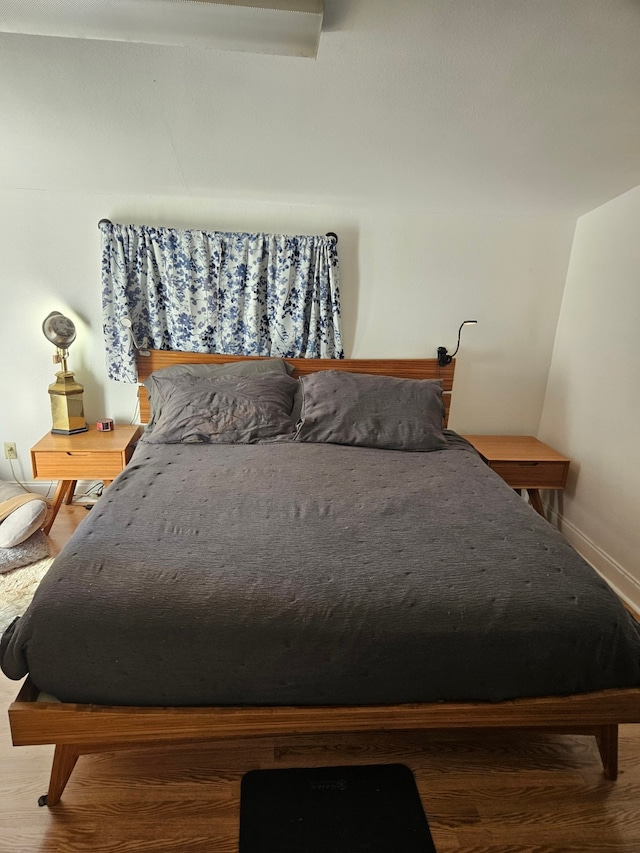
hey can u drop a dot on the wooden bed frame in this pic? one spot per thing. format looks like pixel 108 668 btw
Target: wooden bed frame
pixel 84 729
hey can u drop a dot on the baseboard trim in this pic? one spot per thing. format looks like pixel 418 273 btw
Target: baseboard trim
pixel 47 488
pixel 40 487
pixel 623 583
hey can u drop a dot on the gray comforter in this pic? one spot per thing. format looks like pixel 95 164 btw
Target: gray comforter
pixel 317 574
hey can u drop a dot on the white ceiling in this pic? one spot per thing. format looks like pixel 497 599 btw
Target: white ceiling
pixel 495 106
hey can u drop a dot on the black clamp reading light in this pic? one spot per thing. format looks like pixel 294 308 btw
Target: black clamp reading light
pixel 443 356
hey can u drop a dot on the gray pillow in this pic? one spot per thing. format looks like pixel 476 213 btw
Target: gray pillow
pixel 256 367
pixel 372 411
pixel 224 409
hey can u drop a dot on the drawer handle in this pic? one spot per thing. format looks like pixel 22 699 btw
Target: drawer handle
pixel 527 464
pixel 75 453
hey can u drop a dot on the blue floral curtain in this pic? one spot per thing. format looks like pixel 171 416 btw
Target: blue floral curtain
pixel 210 291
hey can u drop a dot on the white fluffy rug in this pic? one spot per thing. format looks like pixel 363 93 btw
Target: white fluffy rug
pixel 17 588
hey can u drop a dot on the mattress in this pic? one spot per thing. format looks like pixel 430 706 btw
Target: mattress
pixel 301 573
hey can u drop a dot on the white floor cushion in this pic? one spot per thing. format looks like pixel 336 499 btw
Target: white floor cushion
pixel 24 520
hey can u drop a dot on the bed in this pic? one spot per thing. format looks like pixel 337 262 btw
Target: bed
pixel 334 572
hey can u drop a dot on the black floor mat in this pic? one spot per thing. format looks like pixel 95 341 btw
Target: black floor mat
pixel 363 809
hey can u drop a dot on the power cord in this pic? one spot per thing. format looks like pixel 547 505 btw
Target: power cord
pixel 13 474
pixel 136 414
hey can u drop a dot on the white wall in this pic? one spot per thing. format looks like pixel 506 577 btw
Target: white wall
pixel 408 279
pixel 592 405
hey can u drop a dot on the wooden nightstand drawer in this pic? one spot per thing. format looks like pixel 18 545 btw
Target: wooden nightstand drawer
pixel 78 465
pixel 532 475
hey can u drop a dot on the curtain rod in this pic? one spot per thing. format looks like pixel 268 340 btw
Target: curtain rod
pixel 328 234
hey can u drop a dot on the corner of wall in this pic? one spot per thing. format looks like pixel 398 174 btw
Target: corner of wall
pixel 622 582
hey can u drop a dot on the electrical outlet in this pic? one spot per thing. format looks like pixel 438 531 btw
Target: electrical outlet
pixel 10 451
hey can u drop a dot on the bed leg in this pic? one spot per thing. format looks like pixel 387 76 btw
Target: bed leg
pixel 64 760
pixel 607 738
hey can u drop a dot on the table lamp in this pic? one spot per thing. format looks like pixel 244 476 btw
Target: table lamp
pixel 67 408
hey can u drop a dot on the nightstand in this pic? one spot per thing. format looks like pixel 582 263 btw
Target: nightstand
pixel 88 455
pixel 523 462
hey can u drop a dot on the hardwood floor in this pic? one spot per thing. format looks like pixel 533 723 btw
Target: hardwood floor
pixel 484 793
pixel 69 517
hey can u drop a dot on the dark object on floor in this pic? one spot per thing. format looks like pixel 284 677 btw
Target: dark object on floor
pixel 362 809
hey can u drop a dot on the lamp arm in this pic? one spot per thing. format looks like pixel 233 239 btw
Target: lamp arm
pixel 126 323
pixel 60 358
pixel 445 358
pixel 458 344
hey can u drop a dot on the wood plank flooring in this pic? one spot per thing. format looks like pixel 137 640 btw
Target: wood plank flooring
pixel 482 793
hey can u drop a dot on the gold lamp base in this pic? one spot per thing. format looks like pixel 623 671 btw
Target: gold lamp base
pixel 67 408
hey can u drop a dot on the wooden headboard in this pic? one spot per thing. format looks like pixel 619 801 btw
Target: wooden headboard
pixel 402 368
